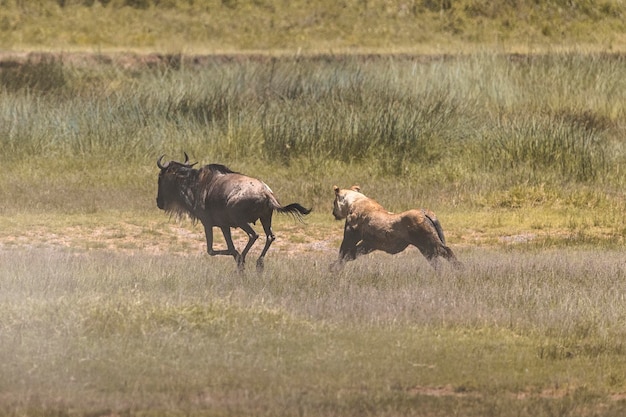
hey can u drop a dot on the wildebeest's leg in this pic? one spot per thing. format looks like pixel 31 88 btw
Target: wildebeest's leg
pixel 348 249
pixel 252 237
pixel 270 237
pixel 239 258
pixel 229 243
pixel 208 231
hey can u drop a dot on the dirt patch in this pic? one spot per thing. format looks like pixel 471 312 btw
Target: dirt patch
pixel 546 393
pixel 441 391
pixel 138 61
pixel 159 238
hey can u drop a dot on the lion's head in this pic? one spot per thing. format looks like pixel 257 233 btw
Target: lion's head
pixel 343 200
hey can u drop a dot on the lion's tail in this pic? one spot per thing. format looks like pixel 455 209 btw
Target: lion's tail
pixel 448 253
pixel 433 220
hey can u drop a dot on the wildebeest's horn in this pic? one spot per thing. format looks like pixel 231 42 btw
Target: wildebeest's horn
pixel 160 165
pixel 186 158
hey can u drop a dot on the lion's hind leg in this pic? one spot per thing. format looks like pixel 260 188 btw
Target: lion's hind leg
pixel 431 255
pixel 439 242
pixel 449 255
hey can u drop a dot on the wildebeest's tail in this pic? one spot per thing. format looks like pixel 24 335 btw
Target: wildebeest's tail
pixel 433 220
pixel 295 209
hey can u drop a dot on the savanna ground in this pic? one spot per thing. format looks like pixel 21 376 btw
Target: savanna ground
pixel 507 119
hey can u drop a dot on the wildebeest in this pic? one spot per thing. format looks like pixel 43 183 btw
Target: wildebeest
pixel 370 227
pixel 220 197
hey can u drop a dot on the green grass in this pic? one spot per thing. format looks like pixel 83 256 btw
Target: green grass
pixel 529 333
pixel 468 132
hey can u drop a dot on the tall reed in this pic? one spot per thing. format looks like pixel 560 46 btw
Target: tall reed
pixel 484 120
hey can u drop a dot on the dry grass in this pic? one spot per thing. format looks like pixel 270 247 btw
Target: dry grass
pixel 113 333
pixel 272 26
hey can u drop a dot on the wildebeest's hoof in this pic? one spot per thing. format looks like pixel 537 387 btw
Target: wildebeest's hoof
pixel 336 266
pixel 241 265
pixel 260 264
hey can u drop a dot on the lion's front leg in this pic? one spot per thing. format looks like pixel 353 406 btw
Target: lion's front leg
pixel 363 248
pixel 348 249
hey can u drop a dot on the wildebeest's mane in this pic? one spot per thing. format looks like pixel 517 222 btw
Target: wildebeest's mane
pixel 222 169
pixel 186 200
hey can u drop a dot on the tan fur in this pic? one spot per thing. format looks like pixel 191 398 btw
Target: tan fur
pixel 369 227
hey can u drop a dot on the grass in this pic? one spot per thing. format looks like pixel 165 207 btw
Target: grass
pixel 531 333
pixel 108 307
pixel 463 130
pixel 422 26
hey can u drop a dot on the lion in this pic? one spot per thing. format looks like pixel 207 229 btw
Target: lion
pixel 370 227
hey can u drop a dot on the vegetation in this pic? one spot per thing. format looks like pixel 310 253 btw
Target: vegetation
pixel 109 307
pixel 521 153
pixel 532 334
pixel 483 132
pixel 425 26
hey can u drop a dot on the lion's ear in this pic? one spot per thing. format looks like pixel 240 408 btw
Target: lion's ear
pixel 356 188
pixel 336 189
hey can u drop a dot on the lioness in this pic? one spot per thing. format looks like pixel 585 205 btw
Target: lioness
pixel 370 227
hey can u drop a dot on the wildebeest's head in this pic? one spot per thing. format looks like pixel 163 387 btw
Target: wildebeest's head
pixel 174 192
pixel 341 205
